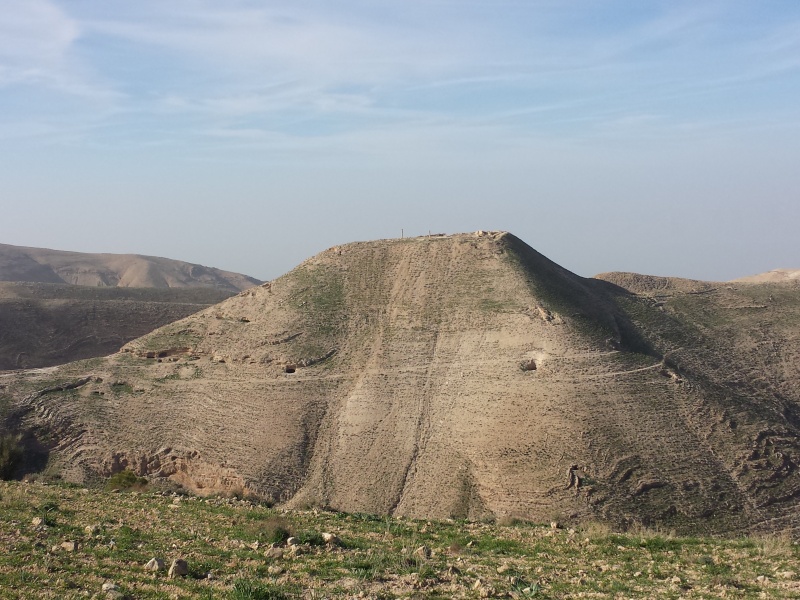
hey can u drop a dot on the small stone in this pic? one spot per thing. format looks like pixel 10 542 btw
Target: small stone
pixel 423 552
pixel 109 586
pixel 92 529
pixel 36 521
pixel 787 574
pixel 154 564
pixel 209 575
pixel 331 539
pixel 761 579
pixel 274 570
pixel 69 546
pixel 478 583
pixel 502 569
pixel 254 546
pixel 292 541
pixel 179 568
pixel 554 525
pixel 676 580
pixel 274 552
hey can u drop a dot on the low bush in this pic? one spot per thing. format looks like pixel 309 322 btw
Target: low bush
pixel 125 480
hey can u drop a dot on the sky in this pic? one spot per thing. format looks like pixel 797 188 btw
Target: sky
pixel 660 137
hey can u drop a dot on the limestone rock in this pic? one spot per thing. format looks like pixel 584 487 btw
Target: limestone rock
pixel 154 564
pixel 109 586
pixel 292 541
pixel 179 568
pixel 37 521
pixel 69 546
pixel 331 539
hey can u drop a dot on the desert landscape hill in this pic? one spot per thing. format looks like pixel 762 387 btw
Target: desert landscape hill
pixel 57 306
pixel 774 276
pixel 46 324
pixel 41 265
pixel 451 376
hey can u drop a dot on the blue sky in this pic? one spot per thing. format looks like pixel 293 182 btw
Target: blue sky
pixel 658 137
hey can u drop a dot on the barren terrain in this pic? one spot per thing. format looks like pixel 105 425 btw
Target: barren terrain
pixel 459 376
pixel 46 324
pixel 41 265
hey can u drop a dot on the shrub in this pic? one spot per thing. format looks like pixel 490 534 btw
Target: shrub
pixel 125 480
pixel 10 455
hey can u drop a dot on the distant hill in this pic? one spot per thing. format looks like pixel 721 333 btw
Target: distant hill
pixel 45 324
pixel 452 376
pixel 40 265
pixel 774 276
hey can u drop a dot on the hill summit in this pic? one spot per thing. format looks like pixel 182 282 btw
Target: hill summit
pixel 40 265
pixel 451 376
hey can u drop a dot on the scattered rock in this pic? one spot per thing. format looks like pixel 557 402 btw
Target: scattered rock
pixel 69 546
pixel 109 586
pixel 179 568
pixel 676 580
pixel 554 525
pixel 274 552
pixel 154 564
pixel 331 539
pixel 478 583
pixel 274 570
pixel 37 521
pixel 502 569
pixel 92 529
pixel 292 541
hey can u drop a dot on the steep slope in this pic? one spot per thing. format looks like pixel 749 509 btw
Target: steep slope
pixel 457 376
pixel 45 324
pixel 40 265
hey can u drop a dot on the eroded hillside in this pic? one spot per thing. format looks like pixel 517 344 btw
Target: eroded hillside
pixel 46 324
pixel 42 265
pixel 451 376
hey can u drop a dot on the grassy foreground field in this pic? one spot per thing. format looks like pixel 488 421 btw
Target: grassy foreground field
pixel 237 550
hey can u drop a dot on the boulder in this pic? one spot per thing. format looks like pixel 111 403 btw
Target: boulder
pixel 154 564
pixel 179 568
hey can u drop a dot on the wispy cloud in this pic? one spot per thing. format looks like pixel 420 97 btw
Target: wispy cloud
pixel 516 67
